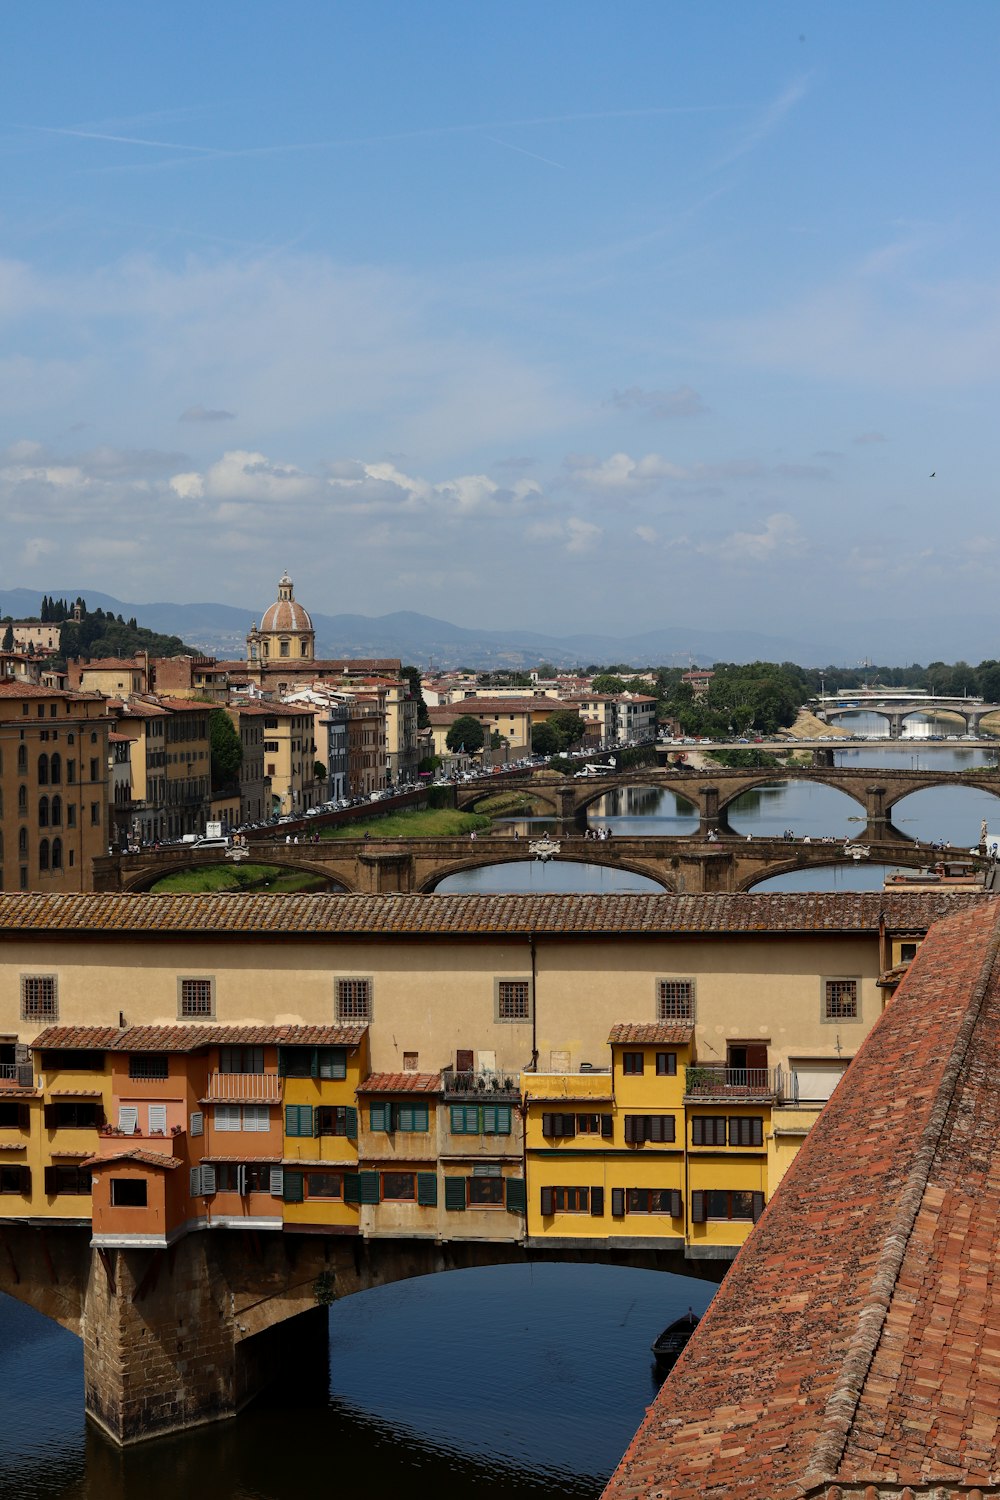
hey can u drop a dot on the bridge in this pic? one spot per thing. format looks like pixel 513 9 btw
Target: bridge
pixel 897 708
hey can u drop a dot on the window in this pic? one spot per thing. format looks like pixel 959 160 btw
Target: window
pixel 14 1117
pixel 95 814
pixel 675 1000
pixel 334 1119
pixel 67 1180
pixel 128 1192
pixel 558 1126
pixel 840 999
pixel 128 1119
pixel 465 1119
pixel 241 1059
pixel 565 1200
pixel 666 1065
pixel 39 997
pixel 708 1130
pixel 15 1179
pixel 298 1119
pixel 55 767
pixel 512 1000
pixel 400 1187
pixel 746 1132
pixel 380 1116
pixel 56 811
pixel 43 812
pixel 729 1205
pixel 654 1201
pixel 325 1185
pixel 414 1117
pixel 227 1117
pixel 243 1177
pixel 196 998
pixel 589 1124
pixel 632 1063
pixel 640 1128
pixel 256 1117
pixel 354 999
pixel 43 854
pixel 486 1192
pixel 908 952
pixel 148 1065
pixel 57 852
pixel 496 1119
pixel 43 770
pixel 73 1114
pixel 411 1062
pixel 197 1122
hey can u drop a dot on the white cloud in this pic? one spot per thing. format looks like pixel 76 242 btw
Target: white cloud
pixel 647 534
pixel 575 535
pixel 623 473
pixel 780 537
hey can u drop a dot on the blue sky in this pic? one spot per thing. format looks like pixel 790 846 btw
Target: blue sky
pixel 562 315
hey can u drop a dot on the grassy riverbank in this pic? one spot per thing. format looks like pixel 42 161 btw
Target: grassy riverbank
pixel 238 878
pixel 415 823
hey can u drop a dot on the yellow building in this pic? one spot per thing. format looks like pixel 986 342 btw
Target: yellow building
pixel 320 1145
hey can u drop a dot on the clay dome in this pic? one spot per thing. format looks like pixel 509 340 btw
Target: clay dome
pixel 286 614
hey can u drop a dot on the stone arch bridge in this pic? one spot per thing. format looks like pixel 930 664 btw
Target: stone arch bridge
pixel 178 1337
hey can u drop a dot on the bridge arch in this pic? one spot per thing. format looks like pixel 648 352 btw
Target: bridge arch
pixel 601 788
pixel 502 858
pixel 778 774
pixel 144 874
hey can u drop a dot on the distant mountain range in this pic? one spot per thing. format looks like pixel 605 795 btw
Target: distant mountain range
pixel 220 630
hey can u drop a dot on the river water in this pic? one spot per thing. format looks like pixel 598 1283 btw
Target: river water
pixel 509 1382
pixel 946 814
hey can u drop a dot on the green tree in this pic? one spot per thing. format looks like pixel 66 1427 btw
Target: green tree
pixel 607 682
pixel 569 727
pixel 227 752
pixel 319 770
pixel 545 740
pixel 8 639
pixel 412 675
pixel 466 733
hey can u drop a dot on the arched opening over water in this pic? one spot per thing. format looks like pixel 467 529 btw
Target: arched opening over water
pixel 949 814
pixel 227 875
pixel 804 808
pixel 540 877
pixel 503 1383
pixel 847 875
pixel 641 811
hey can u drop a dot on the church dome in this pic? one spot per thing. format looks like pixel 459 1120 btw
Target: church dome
pixel 286 614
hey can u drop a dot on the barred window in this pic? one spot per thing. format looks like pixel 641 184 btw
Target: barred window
pixel 675 999
pixel 148 1065
pixel 39 997
pixel 197 999
pixel 840 1000
pixel 513 1000
pixel 354 999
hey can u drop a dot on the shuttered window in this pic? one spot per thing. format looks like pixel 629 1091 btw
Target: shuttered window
pixel 597 1202
pixel 639 1128
pixel 227 1117
pixel 256 1117
pixel 427 1189
pixel 368 1186
pixel 413 1117
pixel 618 1203
pixel 746 1131
pixel 197 1122
pixel 66 1180
pixel 465 1119
pixel 157 1119
pixel 277 1182
pixel 723 1204
pixel 334 1119
pixel 298 1119
pixel 558 1126
pixel 128 1119
pixel 517 1202
pixel 496 1119
pixel 708 1130
pixel 294 1186
pixel 454 1193
pixel 380 1116
pixel 655 1201
pixel 699 1208
pixel 312 1062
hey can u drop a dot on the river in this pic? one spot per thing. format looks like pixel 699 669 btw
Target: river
pixel 509 1382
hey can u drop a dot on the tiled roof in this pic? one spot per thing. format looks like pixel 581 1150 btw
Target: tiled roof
pixel 182 1038
pixel 401 1083
pixel 31 690
pixel 260 915
pixel 76 1093
pixel 856 1340
pixel 257 1161
pixel 144 1158
pixel 655 1031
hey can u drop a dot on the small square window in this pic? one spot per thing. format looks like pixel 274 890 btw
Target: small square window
pixel 840 1000
pixel 513 1000
pixel 411 1062
pixel 632 1063
pixel 354 999
pixel 675 1000
pixel 39 997
pixel 195 999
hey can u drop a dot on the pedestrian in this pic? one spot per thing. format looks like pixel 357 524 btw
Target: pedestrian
pixel 288 838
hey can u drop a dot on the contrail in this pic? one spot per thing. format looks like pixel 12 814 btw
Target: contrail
pixel 533 154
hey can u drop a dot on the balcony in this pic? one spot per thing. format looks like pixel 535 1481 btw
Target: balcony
pixel 244 1088
pixel 19 1074
pixel 488 1086
pixel 705 1081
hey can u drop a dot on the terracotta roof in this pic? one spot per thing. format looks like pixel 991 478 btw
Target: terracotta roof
pixel 76 1093
pixel 144 1158
pixel 31 690
pixel 654 1031
pixel 181 1038
pixel 11 1090
pixel 286 614
pixel 260 915
pixel 853 1348
pixel 401 1083
pixel 240 1161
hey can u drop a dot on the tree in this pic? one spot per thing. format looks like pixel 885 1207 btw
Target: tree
pixel 319 770
pixel 545 740
pixel 606 682
pixel 569 727
pixel 412 675
pixel 8 639
pixel 466 733
pixel 227 752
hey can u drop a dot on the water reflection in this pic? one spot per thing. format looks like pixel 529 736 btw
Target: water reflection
pixel 643 810
pixel 510 1382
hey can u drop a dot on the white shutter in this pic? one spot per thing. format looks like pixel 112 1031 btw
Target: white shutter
pixel 194 1187
pixel 197 1122
pixel 227 1117
pixel 128 1119
pixel 157 1119
pixel 241 1180
pixel 277 1182
pixel 207 1180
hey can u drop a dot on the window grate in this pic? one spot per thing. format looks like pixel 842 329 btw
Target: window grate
pixel 196 997
pixel 840 1000
pixel 513 1000
pixel 354 999
pixel 675 1000
pixel 39 997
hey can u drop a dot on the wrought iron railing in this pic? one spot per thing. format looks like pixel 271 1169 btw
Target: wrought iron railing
pixel 717 1080
pixel 488 1083
pixel 19 1073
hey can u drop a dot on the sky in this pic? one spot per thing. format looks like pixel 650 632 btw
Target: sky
pixel 564 316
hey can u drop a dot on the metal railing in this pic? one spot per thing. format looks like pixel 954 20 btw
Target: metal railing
pixel 717 1080
pixel 19 1073
pixel 245 1088
pixel 488 1084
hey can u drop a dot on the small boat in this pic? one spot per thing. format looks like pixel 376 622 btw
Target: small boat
pixel 671 1342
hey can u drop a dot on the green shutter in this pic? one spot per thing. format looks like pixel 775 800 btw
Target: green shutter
pixel 294 1192
pixel 517 1201
pixel 380 1116
pixel 465 1119
pixel 427 1189
pixel 454 1192
pixel 351 1125
pixel 352 1187
pixel 421 1117
pixel 298 1119
pixel 332 1062
pixel 368 1187
pixel 496 1119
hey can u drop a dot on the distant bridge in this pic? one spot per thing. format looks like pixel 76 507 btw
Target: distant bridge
pixel 896 710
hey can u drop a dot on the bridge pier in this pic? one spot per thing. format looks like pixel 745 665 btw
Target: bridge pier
pixel 385 874
pixel 878 822
pixel 710 820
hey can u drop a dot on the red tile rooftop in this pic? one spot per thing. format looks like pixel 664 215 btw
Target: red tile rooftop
pixel 654 1031
pixel 264 915
pixel 144 1159
pixel 401 1083
pixel 187 1038
pixel 852 1348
